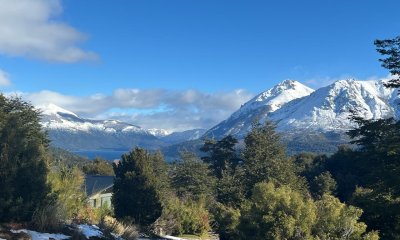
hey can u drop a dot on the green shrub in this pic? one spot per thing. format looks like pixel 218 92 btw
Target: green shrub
pixel 227 220
pixel 185 217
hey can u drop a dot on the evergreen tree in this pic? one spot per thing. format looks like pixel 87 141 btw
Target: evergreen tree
pixel 264 158
pixel 23 160
pixel 323 184
pixel 391 49
pixel 230 188
pixel 135 188
pixel 191 176
pixel 377 167
pixel 222 154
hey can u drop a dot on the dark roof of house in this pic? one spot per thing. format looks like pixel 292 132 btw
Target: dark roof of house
pixel 96 183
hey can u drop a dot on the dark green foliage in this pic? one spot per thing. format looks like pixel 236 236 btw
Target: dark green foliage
pixel 309 165
pixel 191 177
pixel 381 211
pixel 23 160
pixel 391 49
pixel 323 184
pixel 98 167
pixel 230 188
pixel 264 158
pixel 136 187
pixel 343 165
pixel 162 181
pixel 222 154
pixel 22 151
pixel 368 176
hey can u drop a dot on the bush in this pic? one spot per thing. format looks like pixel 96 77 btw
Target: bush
pixel 226 220
pixel 67 185
pixel 48 218
pixel 277 213
pixel 184 217
pixel 124 230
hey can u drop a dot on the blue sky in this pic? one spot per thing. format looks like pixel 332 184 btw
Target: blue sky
pixel 70 51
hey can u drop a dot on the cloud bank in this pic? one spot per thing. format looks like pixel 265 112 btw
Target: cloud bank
pixel 159 108
pixel 29 28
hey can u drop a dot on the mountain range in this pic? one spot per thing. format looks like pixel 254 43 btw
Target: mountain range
pixel 69 131
pixel 309 120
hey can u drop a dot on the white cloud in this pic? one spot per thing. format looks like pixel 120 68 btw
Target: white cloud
pixel 160 108
pixel 4 79
pixel 29 28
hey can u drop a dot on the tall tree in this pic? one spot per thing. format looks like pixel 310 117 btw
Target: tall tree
pixel 264 158
pixel 191 176
pixel 23 160
pixel 391 49
pixel 222 154
pixel 135 188
pixel 376 163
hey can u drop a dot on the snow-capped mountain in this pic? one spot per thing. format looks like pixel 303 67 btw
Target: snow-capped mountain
pixel 72 132
pixel 159 132
pixel 189 135
pixel 329 108
pixel 262 105
pixel 57 118
pixel 297 109
pixel 69 131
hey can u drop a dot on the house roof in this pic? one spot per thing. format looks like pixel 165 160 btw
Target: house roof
pixel 96 183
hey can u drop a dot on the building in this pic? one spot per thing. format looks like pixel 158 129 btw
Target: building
pixel 99 190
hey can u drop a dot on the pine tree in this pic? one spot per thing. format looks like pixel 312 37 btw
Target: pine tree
pixel 222 155
pixel 264 158
pixel 135 188
pixel 191 176
pixel 23 160
pixel 376 164
pixel 391 49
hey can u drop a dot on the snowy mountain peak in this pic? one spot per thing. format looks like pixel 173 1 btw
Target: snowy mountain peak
pixel 277 96
pixel 260 106
pixel 159 132
pixel 52 109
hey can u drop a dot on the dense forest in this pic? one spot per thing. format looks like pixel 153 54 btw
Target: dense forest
pixel 259 192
